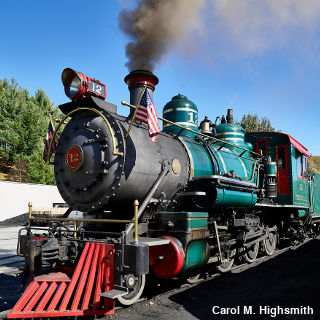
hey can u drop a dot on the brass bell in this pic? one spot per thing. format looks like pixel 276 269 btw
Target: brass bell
pixel 205 126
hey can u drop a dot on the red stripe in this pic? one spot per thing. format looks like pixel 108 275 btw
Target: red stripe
pixel 148 115
pixel 143 108
pixel 154 116
pixel 154 138
pixel 152 122
pixel 142 120
pixel 153 130
pixel 142 114
pixel 154 126
pixel 152 119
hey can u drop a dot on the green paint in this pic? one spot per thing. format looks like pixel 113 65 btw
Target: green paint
pixel 195 255
pixel 235 198
pixel 301 213
pixel 233 133
pixel 271 169
pixel 202 165
pixel 299 188
pixel 183 112
pixel 314 192
pixel 186 220
pixel 225 159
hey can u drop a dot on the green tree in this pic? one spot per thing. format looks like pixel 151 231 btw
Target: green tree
pixel 252 122
pixel 313 164
pixel 38 170
pixel 23 125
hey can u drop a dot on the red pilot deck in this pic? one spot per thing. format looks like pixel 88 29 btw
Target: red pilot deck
pixel 56 295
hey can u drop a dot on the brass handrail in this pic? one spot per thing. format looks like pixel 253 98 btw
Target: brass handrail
pixel 114 152
pixel 30 213
pixel 136 217
pixel 75 220
pixel 82 220
pixel 198 133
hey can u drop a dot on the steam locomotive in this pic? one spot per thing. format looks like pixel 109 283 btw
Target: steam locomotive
pixel 201 195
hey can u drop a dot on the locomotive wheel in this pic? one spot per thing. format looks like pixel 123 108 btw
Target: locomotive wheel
pixel 251 253
pixel 226 265
pixel 135 285
pixel 269 244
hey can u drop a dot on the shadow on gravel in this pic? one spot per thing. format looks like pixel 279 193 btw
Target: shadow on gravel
pixel 9 290
pixel 291 279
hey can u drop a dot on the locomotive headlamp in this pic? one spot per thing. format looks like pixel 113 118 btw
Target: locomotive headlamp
pixel 77 85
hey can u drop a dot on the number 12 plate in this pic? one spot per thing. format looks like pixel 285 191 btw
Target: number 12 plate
pixel 97 88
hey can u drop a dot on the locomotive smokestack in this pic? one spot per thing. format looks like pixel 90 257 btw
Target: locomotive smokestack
pixel 136 80
pixel 230 116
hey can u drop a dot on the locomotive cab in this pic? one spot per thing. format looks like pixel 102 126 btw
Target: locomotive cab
pixel 291 159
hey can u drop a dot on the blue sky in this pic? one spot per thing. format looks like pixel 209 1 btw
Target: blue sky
pixel 270 71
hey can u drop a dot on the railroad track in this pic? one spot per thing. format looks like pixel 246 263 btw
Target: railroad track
pixel 245 266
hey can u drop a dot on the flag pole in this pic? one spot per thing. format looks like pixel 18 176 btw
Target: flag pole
pixel 51 121
pixel 136 109
pixel 51 140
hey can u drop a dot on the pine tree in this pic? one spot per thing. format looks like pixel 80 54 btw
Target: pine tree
pixel 252 122
pixel 314 164
pixel 23 125
pixel 38 170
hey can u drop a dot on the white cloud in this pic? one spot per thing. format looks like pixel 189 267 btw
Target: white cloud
pixel 259 25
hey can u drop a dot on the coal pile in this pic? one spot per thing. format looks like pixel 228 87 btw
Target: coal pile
pixel 17 221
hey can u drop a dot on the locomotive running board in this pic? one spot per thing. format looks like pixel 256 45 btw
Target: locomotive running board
pixel 275 205
pixel 56 295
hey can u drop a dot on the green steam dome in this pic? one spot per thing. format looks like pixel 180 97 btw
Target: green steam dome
pixel 234 134
pixel 183 112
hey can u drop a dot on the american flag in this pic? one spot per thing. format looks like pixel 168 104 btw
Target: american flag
pixel 47 142
pixel 147 113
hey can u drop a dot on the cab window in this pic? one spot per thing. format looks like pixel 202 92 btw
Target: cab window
pixel 281 158
pixel 262 144
pixel 301 165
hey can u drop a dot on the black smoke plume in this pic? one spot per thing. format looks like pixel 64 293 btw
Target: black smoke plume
pixel 157 26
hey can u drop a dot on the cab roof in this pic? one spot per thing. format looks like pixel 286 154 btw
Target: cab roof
pixel 297 145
